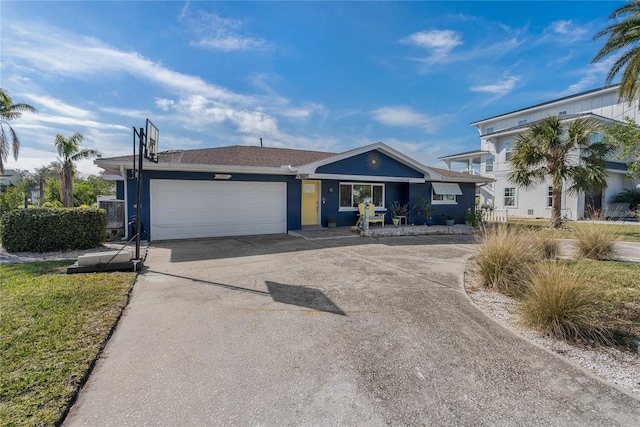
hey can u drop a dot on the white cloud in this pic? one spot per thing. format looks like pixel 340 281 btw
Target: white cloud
pixel 501 87
pixel 438 42
pixel 47 103
pixel 591 75
pixel 404 116
pixel 217 33
pixel 567 28
pixel 229 43
pixel 84 57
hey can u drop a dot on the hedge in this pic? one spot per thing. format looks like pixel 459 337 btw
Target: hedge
pixel 46 229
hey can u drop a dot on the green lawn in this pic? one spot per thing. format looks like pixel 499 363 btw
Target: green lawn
pixel 52 328
pixel 618 285
pixel 623 232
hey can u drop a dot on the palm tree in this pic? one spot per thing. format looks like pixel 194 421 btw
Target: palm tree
pixel 9 111
pixel 547 149
pixel 623 34
pixel 70 151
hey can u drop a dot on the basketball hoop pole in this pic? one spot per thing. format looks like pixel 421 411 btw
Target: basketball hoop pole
pixel 139 198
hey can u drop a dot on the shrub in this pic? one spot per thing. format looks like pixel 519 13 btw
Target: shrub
pixel 594 243
pixel 43 229
pixel 549 247
pixel 53 204
pixel 558 302
pixel 504 254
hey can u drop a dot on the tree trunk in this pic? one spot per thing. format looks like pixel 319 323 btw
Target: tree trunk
pixel 41 193
pixel 66 187
pixel 556 207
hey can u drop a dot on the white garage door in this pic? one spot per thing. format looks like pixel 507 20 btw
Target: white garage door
pixel 189 209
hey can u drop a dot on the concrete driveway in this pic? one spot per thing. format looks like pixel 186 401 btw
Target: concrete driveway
pixel 278 330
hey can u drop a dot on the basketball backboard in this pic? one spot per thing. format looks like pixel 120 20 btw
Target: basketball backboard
pixel 151 142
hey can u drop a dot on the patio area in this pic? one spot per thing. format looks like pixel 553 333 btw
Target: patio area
pixel 321 233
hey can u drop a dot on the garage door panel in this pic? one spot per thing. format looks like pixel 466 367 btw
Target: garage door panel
pixel 189 209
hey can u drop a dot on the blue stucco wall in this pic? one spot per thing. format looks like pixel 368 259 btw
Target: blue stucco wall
pixel 357 165
pixel 294 193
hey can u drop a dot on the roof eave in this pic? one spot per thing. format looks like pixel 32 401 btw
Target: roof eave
pixel 188 167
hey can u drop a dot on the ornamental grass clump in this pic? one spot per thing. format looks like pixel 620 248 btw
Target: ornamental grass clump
pixel 559 302
pixel 505 253
pixel 594 243
pixel 549 247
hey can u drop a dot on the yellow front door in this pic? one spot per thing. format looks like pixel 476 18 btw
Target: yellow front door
pixel 310 190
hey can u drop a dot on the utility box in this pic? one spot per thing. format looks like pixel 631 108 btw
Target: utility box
pixel 115 216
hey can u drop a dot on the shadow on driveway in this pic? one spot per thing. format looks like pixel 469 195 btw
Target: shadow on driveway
pixel 298 295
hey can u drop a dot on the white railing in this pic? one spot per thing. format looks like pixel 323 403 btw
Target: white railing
pixel 496 215
pixel 470 171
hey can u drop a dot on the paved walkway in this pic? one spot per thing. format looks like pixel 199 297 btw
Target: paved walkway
pixel 277 330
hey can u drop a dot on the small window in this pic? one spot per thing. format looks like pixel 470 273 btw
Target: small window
pixel 596 137
pixel 562 113
pixel 522 122
pixel 510 196
pixel 549 196
pixel 490 130
pixel 351 194
pixel 488 166
pixel 445 193
pixel 508 150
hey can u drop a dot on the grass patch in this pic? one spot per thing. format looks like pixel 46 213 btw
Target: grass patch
pixel 504 254
pixel 594 243
pixel 617 286
pixel 52 327
pixel 621 232
pixel 559 302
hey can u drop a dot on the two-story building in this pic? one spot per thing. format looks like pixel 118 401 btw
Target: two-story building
pixel 497 137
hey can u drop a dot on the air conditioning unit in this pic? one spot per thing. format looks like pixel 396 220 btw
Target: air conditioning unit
pixel 115 215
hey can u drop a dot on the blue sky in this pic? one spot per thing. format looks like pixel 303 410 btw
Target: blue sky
pixel 327 76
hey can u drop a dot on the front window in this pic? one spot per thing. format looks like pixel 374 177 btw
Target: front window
pixel 549 197
pixel 510 196
pixel 443 198
pixel 488 166
pixel 445 193
pixel 351 194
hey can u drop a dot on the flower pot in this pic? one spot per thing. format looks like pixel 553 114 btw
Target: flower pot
pixel 449 222
pixel 331 224
pixel 396 221
pixel 428 222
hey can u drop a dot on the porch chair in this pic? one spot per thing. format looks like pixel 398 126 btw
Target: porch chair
pixel 373 218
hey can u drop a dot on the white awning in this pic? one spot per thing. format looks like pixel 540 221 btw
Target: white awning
pixel 446 188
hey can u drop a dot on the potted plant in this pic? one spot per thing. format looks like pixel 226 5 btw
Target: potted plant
pixel 449 220
pixel 397 210
pixel 422 206
pixel 331 223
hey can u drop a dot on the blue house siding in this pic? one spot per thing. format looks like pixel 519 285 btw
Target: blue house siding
pixel 358 165
pixel 294 193
pixel 120 190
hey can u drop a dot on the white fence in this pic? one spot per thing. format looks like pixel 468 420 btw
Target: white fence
pixel 496 215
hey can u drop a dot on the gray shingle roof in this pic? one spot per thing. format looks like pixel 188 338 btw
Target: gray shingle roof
pixel 237 155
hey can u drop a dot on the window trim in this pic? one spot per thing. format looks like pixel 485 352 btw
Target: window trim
pixel 355 208
pixel 549 196
pixel 447 198
pixel 515 197
pixel 487 162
